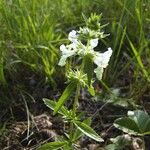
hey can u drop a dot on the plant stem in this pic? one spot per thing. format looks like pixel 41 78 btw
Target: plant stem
pixel 75 104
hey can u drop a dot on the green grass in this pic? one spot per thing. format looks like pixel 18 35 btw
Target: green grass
pixel 2 76
pixel 32 31
pixel 29 31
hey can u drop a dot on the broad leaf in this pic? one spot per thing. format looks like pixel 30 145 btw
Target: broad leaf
pixel 89 67
pixel 53 145
pixel 137 123
pixel 52 104
pixel 142 119
pixel 127 125
pixel 66 94
pixel 87 130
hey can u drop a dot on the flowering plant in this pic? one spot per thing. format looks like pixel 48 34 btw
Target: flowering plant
pixel 77 48
pixel 81 47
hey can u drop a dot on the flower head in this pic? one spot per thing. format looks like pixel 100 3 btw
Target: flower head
pixel 83 43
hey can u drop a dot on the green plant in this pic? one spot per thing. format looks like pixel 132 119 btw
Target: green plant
pixel 137 123
pixel 119 142
pixel 80 75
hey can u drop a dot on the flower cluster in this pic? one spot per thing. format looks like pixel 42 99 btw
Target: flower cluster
pixel 78 76
pixel 77 48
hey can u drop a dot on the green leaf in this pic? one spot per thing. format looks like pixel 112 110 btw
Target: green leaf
pixel 89 67
pixel 78 133
pixel 87 130
pixel 66 94
pixel 119 143
pixel 68 147
pixel 91 90
pixel 142 119
pixel 127 125
pixel 111 147
pixel 53 145
pixel 137 123
pixel 52 104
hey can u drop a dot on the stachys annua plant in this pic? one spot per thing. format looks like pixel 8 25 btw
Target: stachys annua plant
pixel 82 59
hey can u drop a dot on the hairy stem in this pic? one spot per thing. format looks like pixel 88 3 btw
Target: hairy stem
pixel 75 104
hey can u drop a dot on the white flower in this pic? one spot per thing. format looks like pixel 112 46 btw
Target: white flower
pixel 93 43
pixel 84 50
pixel 99 72
pixel 73 36
pixel 101 60
pixel 67 51
pixel 77 48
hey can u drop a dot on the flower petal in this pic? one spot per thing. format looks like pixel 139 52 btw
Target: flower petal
pixel 63 48
pixel 67 51
pixel 93 43
pixel 99 72
pixel 73 36
pixel 62 61
pixel 102 59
